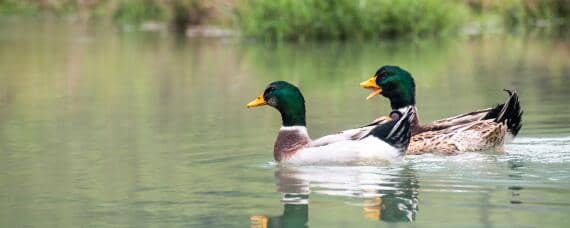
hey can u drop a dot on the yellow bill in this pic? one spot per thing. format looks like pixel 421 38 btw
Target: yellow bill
pixel 259 221
pixel 374 209
pixel 371 84
pixel 259 101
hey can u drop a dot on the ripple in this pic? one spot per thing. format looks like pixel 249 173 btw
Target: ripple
pixel 539 150
pixel 528 164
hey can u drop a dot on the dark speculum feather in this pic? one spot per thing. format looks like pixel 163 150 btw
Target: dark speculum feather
pixel 493 113
pixel 397 132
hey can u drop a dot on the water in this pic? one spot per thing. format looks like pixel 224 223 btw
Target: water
pixel 100 128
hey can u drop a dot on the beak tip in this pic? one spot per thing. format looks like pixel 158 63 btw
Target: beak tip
pixel 259 101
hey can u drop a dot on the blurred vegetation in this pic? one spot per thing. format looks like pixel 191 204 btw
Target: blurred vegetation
pixel 524 12
pixel 179 13
pixel 138 12
pixel 343 19
pixel 311 19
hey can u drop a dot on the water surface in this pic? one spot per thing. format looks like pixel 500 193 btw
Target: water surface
pixel 102 128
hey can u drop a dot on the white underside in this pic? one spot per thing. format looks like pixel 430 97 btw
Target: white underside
pixel 367 150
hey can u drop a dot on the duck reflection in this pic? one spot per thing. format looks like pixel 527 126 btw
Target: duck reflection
pixel 516 175
pixel 390 193
pixel 294 215
pixel 398 201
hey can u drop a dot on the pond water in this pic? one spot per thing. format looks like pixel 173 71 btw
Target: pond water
pixel 103 128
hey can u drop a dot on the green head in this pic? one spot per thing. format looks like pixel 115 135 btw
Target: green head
pixel 287 99
pixel 394 83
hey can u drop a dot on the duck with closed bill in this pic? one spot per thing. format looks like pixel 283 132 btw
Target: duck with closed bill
pixel 384 142
pixel 474 131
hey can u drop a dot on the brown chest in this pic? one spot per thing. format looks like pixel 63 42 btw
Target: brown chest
pixel 288 143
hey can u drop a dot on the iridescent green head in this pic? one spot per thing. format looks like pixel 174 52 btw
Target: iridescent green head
pixel 287 99
pixel 393 83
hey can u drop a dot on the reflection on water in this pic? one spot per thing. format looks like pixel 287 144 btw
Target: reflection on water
pixel 389 194
pixel 515 174
pixel 294 215
pixel 392 194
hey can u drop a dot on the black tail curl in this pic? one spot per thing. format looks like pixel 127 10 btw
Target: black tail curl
pixel 511 112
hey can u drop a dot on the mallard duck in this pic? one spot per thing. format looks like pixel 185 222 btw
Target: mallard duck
pixel 384 142
pixel 479 130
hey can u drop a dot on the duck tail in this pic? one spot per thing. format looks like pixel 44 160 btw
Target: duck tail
pixel 401 132
pixel 510 112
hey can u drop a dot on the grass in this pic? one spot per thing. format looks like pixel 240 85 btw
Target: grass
pixel 18 7
pixel 134 12
pixel 524 12
pixel 298 20
pixel 347 19
pixel 177 12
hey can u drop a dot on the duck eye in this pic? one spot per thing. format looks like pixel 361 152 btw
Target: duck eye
pixel 268 90
pixel 382 75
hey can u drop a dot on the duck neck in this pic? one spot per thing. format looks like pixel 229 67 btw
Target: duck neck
pixel 292 111
pixel 400 95
pixel 403 97
pixel 293 119
pixel 290 140
pixel 401 100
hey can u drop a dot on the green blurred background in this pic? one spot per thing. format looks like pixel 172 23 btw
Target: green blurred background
pixel 310 19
